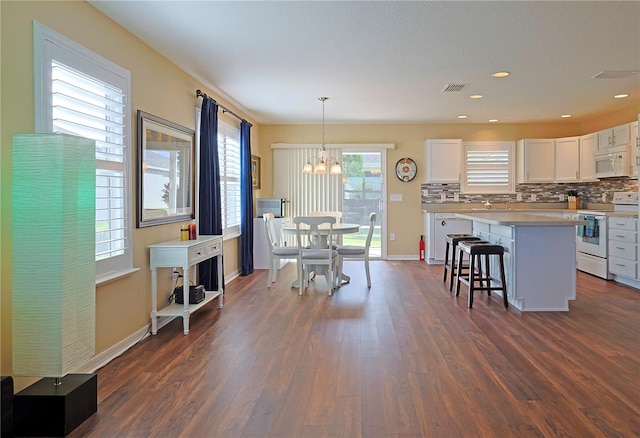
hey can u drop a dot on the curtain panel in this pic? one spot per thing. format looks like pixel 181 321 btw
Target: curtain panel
pixel 246 201
pixel 210 201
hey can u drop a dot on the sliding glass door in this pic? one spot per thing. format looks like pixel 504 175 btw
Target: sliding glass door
pixel 363 193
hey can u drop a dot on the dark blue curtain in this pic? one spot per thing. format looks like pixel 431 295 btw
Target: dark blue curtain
pixel 246 201
pixel 210 203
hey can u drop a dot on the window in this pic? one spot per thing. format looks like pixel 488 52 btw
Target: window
pixel 488 167
pixel 229 160
pixel 78 92
pixel 229 155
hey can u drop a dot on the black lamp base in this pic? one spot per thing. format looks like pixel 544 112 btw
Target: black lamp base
pixel 44 409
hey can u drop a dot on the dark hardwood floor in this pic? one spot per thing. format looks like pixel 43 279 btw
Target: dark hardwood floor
pixel 403 359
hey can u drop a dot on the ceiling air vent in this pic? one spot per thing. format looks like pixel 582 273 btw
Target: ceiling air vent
pixel 454 88
pixel 615 74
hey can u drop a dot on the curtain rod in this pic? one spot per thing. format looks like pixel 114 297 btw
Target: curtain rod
pixel 224 109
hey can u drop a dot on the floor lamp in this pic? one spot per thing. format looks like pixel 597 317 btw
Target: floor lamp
pixel 53 279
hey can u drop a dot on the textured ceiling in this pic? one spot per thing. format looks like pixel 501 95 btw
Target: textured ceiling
pixel 388 61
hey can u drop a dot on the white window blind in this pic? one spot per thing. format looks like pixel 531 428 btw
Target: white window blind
pixel 80 93
pixel 488 168
pixel 229 155
pixel 306 193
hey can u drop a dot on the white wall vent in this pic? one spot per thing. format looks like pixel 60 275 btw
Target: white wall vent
pixel 454 88
pixel 615 74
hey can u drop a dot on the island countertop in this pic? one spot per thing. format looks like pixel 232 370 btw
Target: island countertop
pixel 519 219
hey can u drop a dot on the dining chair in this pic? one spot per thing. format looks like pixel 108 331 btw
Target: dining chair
pixel 318 252
pixel 276 250
pixel 352 252
pixel 337 215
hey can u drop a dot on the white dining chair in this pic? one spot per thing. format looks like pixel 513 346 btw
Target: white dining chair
pixel 276 250
pixel 352 252
pixel 337 215
pixel 318 252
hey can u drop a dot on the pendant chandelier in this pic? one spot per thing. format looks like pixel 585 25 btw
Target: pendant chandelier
pixel 323 160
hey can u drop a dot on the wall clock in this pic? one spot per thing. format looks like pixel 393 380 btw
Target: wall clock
pixel 406 169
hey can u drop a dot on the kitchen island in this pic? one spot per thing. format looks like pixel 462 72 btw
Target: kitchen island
pixel 540 256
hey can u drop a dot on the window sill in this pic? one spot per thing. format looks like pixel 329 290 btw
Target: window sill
pixel 116 275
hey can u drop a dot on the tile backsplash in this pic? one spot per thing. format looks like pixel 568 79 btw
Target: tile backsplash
pixel 587 192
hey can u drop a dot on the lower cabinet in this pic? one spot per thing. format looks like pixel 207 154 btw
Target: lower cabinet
pixel 623 250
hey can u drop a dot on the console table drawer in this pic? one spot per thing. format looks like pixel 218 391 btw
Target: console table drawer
pixel 203 252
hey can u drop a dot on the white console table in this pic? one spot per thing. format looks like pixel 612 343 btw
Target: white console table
pixel 183 253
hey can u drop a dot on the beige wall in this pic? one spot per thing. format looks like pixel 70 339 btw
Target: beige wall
pixel 157 87
pixel 405 218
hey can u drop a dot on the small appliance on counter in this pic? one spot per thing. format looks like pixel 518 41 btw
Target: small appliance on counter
pixel 277 206
pixel 625 201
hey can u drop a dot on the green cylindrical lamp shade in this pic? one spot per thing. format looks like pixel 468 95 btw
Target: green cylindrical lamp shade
pixel 53 264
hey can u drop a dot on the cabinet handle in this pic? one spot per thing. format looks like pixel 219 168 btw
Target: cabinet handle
pixel 443 223
pixel 621 249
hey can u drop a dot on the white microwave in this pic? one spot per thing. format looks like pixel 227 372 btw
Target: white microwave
pixel 612 162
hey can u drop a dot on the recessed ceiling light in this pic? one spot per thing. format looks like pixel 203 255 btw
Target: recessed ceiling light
pixel 476 96
pixel 462 117
pixel 493 120
pixel 500 74
pixel 620 96
pixel 565 116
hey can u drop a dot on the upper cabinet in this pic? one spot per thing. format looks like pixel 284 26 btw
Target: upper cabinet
pixel 443 160
pixel 535 161
pixel 588 145
pixel 567 159
pixel 634 146
pixel 618 136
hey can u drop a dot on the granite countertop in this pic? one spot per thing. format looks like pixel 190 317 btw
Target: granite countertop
pixel 623 214
pixel 518 219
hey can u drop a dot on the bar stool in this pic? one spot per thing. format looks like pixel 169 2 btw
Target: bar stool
pixel 475 250
pixel 452 240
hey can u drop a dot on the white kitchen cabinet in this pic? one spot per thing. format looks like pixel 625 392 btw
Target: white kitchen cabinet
pixel 633 148
pixel 443 159
pixel 618 136
pixel 623 250
pixel 567 159
pixel 588 145
pixel 535 161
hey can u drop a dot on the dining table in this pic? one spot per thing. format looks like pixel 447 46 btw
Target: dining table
pixel 339 229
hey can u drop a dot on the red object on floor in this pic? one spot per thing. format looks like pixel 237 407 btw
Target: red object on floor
pixel 421 247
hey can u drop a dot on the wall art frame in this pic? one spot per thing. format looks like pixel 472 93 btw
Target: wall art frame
pixel 255 171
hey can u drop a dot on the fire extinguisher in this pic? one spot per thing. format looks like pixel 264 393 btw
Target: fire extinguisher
pixel 421 247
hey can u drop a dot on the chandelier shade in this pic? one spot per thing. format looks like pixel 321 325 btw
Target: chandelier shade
pixel 323 160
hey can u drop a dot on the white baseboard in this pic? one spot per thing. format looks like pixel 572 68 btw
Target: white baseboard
pixel 402 257
pixel 101 359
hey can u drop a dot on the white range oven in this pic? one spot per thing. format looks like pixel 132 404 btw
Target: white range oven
pixel 592 245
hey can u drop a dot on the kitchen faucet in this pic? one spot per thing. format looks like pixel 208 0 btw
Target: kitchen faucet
pixel 506 205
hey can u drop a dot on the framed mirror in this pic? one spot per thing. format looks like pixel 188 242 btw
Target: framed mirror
pixel 166 163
